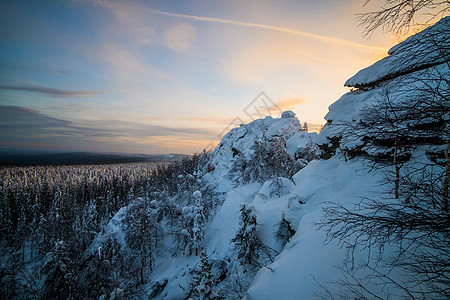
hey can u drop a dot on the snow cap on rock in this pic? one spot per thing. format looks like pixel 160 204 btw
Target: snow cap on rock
pixel 288 114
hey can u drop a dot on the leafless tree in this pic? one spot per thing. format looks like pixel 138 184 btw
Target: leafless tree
pixel 400 16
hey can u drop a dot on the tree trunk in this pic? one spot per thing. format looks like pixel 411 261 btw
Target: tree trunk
pixel 446 179
pixel 397 171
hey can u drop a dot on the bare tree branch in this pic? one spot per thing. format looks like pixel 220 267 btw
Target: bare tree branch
pixel 399 16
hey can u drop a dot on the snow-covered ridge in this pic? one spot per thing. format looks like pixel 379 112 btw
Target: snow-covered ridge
pixel 427 48
pixel 416 75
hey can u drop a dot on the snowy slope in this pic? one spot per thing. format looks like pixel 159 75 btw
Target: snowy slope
pixel 225 223
pixel 306 258
pixel 172 275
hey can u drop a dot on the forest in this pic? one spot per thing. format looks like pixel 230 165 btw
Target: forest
pixel 49 215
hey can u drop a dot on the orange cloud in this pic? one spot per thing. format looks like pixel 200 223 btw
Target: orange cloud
pixel 290 103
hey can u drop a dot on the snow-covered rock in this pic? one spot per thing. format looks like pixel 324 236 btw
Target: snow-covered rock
pixel 421 63
pixel 425 49
pixel 240 140
pixel 288 114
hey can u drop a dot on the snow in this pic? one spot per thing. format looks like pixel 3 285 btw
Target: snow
pixel 300 140
pixel 270 204
pixel 305 258
pixel 349 108
pixel 112 229
pixel 288 114
pixel 197 195
pixel 176 271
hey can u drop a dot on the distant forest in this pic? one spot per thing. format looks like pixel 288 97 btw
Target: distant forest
pixel 9 158
pixel 49 216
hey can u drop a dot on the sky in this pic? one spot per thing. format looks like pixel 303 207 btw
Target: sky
pixel 170 76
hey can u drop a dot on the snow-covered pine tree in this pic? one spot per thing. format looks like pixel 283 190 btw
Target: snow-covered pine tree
pixel 198 231
pixel 59 267
pixel 280 161
pixel 256 168
pixel 246 241
pixel 203 281
pixel 139 224
pixel 308 153
pixel 238 172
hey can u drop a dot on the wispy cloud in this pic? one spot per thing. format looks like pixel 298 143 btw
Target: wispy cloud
pixel 127 64
pixel 321 38
pixel 179 37
pixel 20 117
pixel 48 91
pixel 209 120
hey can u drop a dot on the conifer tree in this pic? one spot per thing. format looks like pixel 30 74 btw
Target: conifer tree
pixel 246 241
pixel 198 231
pixel 203 283
pixel 305 127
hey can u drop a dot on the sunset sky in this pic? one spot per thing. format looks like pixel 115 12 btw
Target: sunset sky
pixel 169 76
